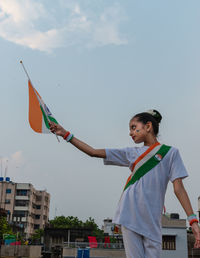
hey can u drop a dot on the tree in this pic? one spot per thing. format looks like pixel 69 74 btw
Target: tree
pixel 4 227
pixel 66 222
pixel 90 223
pixel 36 237
pixel 74 222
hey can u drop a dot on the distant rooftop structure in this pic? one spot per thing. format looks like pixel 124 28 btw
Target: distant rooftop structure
pixel 174 235
pixel 173 221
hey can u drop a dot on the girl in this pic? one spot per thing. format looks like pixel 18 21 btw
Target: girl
pixel 140 207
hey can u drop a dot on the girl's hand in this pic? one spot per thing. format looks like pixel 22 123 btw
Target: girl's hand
pixel 196 232
pixel 57 129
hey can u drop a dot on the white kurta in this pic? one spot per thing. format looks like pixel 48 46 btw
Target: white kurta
pixel 141 205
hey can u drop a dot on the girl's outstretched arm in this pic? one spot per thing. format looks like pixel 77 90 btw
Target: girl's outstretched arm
pixel 183 198
pixel 59 130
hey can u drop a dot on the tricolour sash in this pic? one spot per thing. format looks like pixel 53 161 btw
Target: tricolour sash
pixel 147 161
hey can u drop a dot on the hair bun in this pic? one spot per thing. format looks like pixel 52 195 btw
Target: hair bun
pixel 157 116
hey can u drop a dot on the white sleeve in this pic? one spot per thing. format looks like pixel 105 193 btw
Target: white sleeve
pixel 177 169
pixel 117 157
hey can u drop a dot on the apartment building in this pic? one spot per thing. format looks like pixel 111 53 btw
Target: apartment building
pixel 25 205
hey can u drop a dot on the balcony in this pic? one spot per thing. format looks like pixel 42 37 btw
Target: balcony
pixel 21 208
pixel 17 197
pixel 21 219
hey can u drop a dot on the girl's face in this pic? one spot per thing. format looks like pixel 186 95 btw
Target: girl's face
pixel 138 130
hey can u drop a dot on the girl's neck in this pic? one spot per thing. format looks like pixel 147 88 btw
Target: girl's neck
pixel 150 141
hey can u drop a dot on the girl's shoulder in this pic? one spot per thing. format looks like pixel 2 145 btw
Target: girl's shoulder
pixel 141 149
pixel 137 148
pixel 173 151
pixel 172 148
pixel 136 151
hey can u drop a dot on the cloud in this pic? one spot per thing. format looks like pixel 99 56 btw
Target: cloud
pixel 105 31
pixel 42 27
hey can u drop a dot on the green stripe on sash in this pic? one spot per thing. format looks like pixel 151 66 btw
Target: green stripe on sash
pixel 150 164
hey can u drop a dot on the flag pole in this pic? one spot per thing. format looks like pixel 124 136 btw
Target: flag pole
pixel 36 94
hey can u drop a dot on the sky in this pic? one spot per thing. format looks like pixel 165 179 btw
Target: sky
pixel 96 63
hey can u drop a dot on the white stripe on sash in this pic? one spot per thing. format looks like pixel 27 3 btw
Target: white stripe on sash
pixel 146 158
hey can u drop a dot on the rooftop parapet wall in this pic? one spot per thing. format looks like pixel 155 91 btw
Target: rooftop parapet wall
pixel 173 223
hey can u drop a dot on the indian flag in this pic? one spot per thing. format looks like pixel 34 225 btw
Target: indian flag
pixel 39 114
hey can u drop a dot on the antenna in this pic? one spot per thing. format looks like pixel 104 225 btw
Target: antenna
pixel 55 212
pixel 1 168
pixel 6 168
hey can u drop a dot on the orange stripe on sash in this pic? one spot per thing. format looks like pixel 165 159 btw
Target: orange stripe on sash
pixel 140 158
pixel 144 154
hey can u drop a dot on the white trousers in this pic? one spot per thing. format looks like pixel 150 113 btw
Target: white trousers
pixel 138 246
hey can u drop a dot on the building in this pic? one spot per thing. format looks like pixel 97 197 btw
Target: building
pixel 108 226
pixel 174 235
pixel 26 207
pixel 65 236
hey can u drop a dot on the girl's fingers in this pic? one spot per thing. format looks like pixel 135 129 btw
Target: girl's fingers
pixel 197 241
pixel 197 244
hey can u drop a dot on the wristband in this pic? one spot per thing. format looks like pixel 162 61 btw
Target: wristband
pixel 69 137
pixel 66 135
pixel 192 218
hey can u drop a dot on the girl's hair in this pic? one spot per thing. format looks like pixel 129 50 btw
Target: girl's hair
pixel 152 116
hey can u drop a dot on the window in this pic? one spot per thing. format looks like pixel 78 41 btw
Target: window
pixel 20 213
pixel 8 191
pixel 37 216
pixel 21 203
pixel 22 192
pixel 38 207
pixel 36 226
pixel 169 242
pixel 38 198
pixel 7 201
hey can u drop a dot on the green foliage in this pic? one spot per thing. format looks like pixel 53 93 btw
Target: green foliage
pixel 36 237
pixel 4 227
pixel 90 223
pixel 74 222
pixel 113 240
pixel 38 234
pixel 66 222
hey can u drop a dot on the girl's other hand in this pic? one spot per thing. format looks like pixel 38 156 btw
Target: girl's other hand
pixel 57 129
pixel 196 232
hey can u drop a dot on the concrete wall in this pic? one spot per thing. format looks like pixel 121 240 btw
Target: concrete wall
pixel 181 243
pixel 96 252
pixel 20 250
